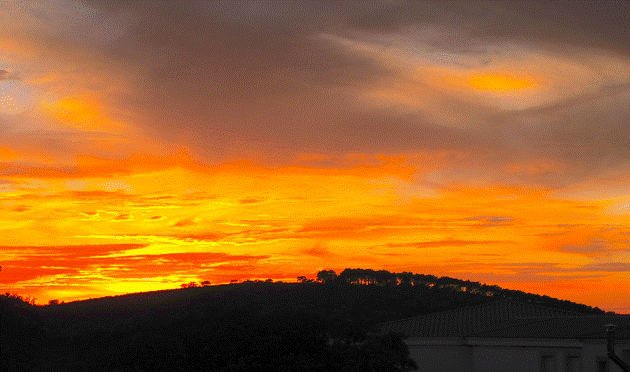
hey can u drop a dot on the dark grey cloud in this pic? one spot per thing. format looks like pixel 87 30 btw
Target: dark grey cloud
pixel 595 247
pixel 221 86
pixel 442 243
pixel 591 125
pixel 228 77
pixel 490 221
pixel 8 75
pixel 606 266
pixel 493 219
pixel 588 23
pixel 218 76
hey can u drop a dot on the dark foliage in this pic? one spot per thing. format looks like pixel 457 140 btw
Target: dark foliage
pixel 449 285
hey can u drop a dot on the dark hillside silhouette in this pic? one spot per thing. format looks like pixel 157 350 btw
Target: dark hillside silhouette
pixel 320 324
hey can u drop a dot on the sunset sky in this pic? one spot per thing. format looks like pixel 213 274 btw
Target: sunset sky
pixel 148 144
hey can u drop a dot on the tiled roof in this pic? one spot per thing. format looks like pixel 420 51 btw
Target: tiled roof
pixel 577 327
pixel 471 320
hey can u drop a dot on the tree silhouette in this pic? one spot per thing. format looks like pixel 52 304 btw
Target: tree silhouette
pixel 190 285
pixel 303 279
pixel 326 276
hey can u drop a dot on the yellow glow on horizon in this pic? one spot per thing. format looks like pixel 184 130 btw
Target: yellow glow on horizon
pixel 498 83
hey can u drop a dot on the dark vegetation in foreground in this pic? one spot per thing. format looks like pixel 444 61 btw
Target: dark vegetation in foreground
pixel 314 325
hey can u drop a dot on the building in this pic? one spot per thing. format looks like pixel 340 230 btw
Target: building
pixel 513 336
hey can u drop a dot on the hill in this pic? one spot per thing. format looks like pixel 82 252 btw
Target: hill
pixel 223 327
pixel 354 295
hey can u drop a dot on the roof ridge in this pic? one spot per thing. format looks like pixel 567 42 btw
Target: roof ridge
pixel 457 309
pixel 576 316
pixel 494 303
pixel 548 307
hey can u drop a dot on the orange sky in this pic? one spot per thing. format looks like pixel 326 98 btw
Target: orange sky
pixel 135 158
